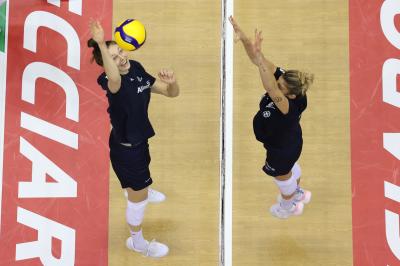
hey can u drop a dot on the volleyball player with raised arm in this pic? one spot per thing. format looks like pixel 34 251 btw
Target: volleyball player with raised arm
pixel 128 89
pixel 277 125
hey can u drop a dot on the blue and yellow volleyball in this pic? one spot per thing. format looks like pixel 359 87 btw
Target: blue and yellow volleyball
pixel 130 34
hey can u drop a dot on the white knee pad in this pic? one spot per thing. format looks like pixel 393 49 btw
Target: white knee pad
pixel 135 212
pixel 287 187
pixel 296 170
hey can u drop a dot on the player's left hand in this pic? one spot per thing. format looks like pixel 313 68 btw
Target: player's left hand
pixel 167 76
pixel 239 34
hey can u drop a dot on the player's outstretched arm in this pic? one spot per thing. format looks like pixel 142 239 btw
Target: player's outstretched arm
pixel 267 77
pixel 111 69
pixel 248 45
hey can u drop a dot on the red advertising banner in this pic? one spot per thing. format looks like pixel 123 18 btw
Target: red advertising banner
pixel 375 130
pixel 54 207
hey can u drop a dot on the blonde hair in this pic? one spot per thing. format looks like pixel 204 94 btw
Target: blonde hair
pixel 298 82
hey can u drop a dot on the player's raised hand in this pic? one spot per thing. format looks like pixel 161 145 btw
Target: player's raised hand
pixel 96 30
pixel 167 76
pixel 239 34
pixel 257 42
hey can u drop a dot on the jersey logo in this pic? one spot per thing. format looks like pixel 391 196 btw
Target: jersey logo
pixel 270 105
pixel 132 79
pixel 139 78
pixel 266 114
pixel 268 167
pixel 143 88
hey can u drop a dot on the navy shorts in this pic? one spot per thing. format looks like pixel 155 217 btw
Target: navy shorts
pixel 131 164
pixel 281 161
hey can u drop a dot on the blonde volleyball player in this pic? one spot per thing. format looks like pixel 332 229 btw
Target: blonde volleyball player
pixel 277 125
pixel 128 89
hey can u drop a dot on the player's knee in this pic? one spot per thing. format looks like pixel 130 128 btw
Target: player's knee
pixel 296 170
pixel 135 212
pixel 288 186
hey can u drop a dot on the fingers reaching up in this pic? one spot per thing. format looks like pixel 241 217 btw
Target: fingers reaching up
pixel 239 34
pixel 167 76
pixel 257 41
pixel 96 30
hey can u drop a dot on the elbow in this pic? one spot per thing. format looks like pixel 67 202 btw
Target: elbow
pixel 114 85
pixel 173 94
pixel 173 90
pixel 114 79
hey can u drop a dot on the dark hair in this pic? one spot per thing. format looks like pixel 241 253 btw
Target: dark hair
pixel 96 51
pixel 298 82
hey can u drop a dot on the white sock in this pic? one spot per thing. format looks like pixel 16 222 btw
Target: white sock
pixel 138 241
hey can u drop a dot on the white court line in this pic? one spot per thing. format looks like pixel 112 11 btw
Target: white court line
pixel 3 84
pixel 226 135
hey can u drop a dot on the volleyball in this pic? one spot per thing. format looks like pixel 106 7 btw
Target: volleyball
pixel 130 34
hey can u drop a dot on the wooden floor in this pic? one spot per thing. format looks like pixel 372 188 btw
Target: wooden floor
pixel 310 35
pixel 183 35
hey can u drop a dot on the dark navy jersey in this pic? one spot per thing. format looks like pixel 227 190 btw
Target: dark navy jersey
pixel 128 108
pixel 275 129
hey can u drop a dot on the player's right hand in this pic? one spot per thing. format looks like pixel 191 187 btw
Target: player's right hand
pixel 97 31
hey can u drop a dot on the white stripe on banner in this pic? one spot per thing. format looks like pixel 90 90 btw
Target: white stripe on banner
pixel 3 83
pixel 73 6
pixel 226 138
